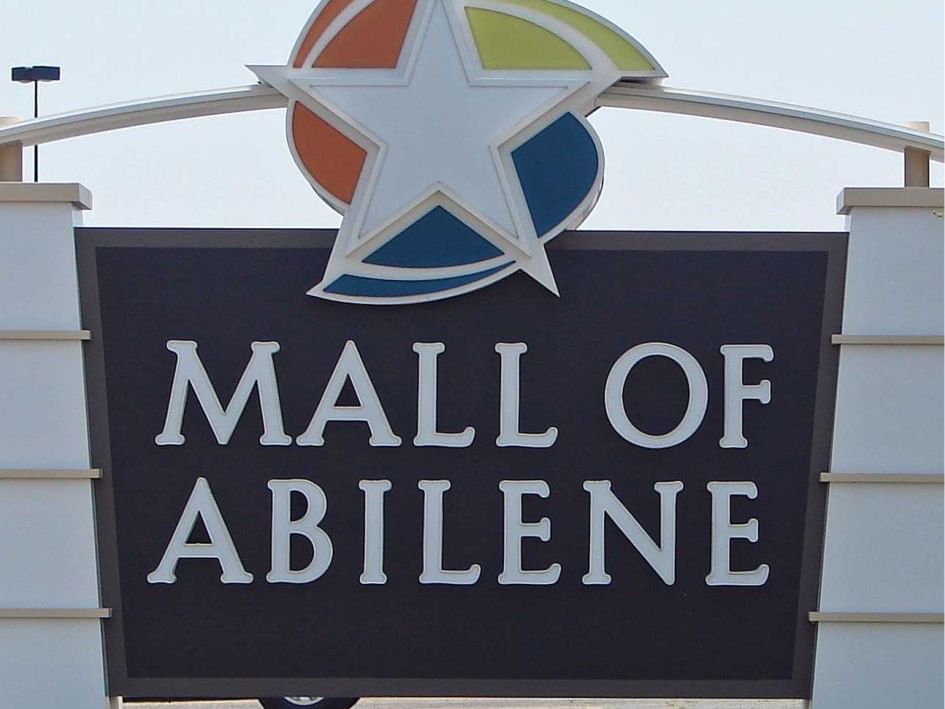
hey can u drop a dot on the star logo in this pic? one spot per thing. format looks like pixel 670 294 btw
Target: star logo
pixel 451 134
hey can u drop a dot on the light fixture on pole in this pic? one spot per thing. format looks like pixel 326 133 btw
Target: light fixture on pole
pixel 34 75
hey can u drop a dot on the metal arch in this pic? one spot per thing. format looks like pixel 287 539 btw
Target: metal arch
pixel 626 94
pixel 218 102
pixel 775 115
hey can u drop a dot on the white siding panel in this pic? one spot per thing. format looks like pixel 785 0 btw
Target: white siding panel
pixel 861 666
pixel 38 287
pixel 47 544
pixel 883 551
pixel 42 406
pixel 51 664
pixel 889 410
pixel 894 281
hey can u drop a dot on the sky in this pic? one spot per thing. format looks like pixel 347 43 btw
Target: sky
pixel 872 58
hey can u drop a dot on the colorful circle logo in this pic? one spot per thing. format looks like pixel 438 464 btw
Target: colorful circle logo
pixel 451 134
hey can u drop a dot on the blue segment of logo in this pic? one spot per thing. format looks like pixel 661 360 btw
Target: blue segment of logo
pixel 557 169
pixel 436 240
pixel 360 286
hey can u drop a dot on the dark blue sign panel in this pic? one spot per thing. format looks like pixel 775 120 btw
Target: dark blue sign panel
pixel 608 493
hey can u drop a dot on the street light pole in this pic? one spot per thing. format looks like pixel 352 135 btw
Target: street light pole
pixel 34 75
pixel 36 115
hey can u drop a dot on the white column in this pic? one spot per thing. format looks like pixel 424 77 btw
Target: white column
pixel 880 630
pixel 50 617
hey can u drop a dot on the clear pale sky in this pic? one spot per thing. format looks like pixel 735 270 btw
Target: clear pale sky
pixel 872 58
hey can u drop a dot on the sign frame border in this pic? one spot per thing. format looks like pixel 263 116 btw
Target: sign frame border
pixel 834 244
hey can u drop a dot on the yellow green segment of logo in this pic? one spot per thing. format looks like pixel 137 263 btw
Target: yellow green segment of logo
pixel 508 42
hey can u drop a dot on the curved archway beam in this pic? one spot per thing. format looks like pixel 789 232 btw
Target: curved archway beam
pixel 769 113
pixel 627 95
pixel 220 102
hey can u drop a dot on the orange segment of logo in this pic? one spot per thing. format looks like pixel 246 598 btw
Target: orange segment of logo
pixel 330 158
pixel 331 10
pixel 372 40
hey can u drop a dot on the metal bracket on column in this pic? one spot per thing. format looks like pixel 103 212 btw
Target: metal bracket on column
pixel 45 335
pixel 49 474
pixel 55 613
pixel 881 479
pixel 908 618
pixel 890 340
pixel 11 162
pixel 918 171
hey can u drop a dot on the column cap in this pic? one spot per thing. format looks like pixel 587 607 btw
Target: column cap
pixel 78 195
pixel 921 197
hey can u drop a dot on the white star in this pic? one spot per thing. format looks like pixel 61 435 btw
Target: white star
pixel 436 131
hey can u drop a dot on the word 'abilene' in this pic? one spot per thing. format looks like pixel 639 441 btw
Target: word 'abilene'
pixel 604 505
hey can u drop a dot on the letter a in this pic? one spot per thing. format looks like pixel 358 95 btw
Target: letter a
pixel 201 504
pixel 350 366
